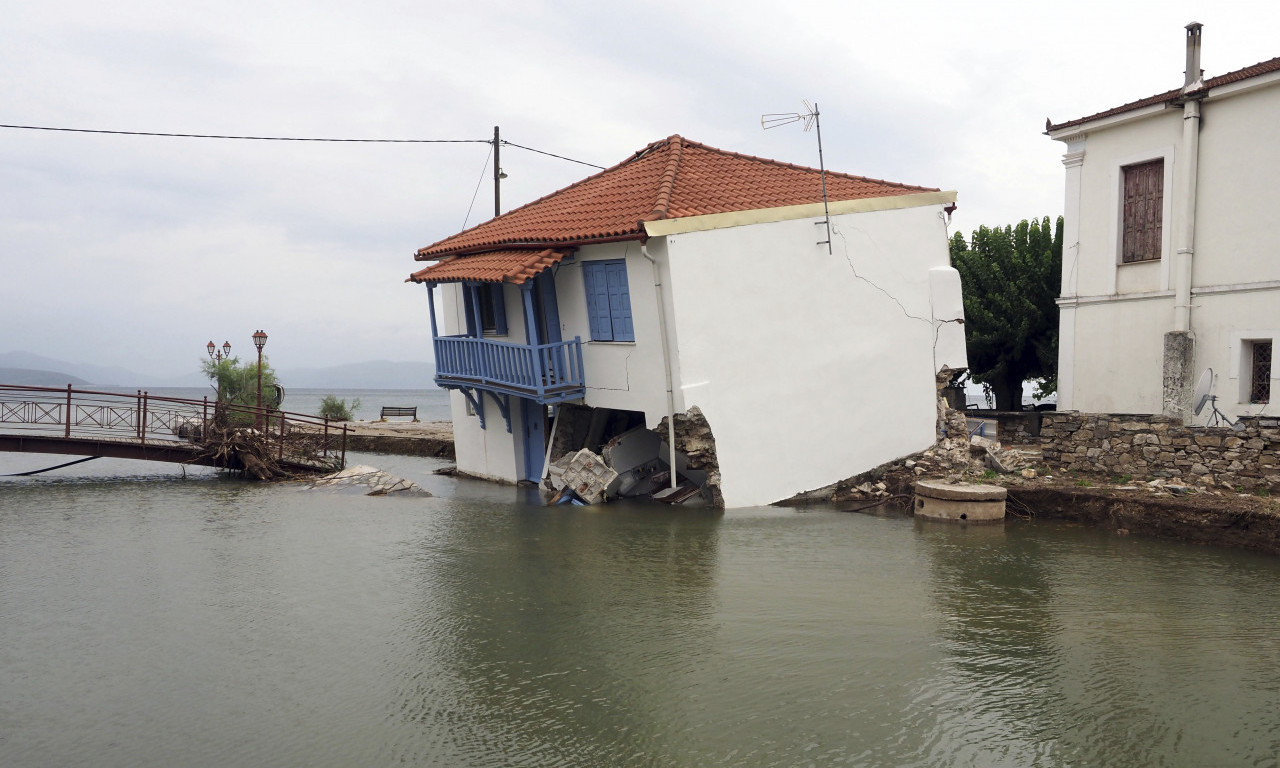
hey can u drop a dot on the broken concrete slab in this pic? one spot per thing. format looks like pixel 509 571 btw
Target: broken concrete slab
pixel 368 481
pixel 587 475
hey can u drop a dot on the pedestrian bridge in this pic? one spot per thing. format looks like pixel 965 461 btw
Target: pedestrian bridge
pixel 142 426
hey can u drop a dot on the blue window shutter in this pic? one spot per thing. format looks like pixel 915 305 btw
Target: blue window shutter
pixel 619 301
pixel 468 309
pixel 546 285
pixel 597 285
pixel 499 308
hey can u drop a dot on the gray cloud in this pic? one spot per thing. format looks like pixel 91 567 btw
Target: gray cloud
pixel 136 251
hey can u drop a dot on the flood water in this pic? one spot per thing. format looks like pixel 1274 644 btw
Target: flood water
pixel 159 620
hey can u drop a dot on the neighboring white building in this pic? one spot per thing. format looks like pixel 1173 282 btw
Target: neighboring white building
pixel 1170 261
pixel 690 276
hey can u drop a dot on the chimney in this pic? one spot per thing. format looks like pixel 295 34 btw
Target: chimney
pixel 1194 75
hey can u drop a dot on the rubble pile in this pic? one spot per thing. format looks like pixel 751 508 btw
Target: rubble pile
pixel 634 464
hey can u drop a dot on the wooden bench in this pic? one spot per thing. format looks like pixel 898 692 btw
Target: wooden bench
pixel 396 410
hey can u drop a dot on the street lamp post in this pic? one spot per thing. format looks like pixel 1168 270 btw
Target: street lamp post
pixel 214 354
pixel 218 355
pixel 259 341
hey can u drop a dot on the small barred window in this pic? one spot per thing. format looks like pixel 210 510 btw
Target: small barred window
pixel 1260 381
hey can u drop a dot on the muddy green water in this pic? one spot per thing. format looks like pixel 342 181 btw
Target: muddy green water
pixel 160 621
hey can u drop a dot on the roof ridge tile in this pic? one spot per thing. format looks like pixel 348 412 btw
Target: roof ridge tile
pixel 668 181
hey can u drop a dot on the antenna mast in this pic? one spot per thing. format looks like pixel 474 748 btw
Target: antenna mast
pixel 810 117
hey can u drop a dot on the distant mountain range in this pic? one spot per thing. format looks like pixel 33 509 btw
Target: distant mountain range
pixel 63 372
pixel 29 369
pixel 31 377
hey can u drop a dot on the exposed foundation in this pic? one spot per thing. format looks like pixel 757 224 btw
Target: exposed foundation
pixel 638 454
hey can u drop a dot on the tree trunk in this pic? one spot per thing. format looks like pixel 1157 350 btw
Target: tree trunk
pixel 1008 392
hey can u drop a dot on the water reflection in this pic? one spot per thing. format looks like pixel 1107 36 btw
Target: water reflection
pixel 1080 647
pixel 560 634
pixel 200 622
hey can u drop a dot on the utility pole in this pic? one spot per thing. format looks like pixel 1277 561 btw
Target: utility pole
pixel 497 175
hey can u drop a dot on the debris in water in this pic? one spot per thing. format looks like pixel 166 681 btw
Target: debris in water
pixel 369 481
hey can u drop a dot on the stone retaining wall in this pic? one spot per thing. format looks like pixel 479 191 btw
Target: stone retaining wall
pixel 1159 446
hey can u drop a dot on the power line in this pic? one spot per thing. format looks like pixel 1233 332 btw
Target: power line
pixel 294 138
pixel 255 138
pixel 477 192
pixel 549 154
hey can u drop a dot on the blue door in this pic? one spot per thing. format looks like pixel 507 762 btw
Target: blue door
pixel 532 415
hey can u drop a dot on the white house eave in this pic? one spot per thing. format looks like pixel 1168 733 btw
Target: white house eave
pixel 1244 86
pixel 1064 134
pixel 1215 94
pixel 789 212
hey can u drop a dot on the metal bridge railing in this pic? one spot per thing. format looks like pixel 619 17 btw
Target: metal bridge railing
pixel 142 417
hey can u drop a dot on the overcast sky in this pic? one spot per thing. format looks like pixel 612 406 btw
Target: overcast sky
pixel 136 251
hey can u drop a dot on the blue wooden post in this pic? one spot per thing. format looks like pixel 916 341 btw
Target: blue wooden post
pixel 431 305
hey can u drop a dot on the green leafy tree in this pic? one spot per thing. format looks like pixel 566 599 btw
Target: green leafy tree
pixel 237 384
pixel 1011 278
pixel 337 410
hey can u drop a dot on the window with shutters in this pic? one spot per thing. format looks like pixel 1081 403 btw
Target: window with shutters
pixel 1260 378
pixel 493 310
pixel 608 300
pixel 1143 202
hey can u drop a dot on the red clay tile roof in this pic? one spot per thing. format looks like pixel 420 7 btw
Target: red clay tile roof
pixel 668 179
pixel 1170 97
pixel 512 266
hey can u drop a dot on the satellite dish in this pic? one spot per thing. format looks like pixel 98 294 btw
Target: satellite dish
pixel 1201 395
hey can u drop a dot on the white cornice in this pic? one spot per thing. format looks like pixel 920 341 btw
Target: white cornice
pixel 1113 298
pixel 790 212
pixel 1072 133
pixel 1206 290
pixel 1211 290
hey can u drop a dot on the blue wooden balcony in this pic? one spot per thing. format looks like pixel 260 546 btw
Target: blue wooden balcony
pixel 548 373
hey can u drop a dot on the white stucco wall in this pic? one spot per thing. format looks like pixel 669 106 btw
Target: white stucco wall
pixel 1114 316
pixel 491 452
pixel 810 367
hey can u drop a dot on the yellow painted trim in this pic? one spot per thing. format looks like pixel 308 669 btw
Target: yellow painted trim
pixel 791 212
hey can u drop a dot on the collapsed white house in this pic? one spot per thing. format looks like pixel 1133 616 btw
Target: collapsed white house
pixel 696 282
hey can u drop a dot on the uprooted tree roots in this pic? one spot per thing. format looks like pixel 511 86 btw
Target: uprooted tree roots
pixel 244 449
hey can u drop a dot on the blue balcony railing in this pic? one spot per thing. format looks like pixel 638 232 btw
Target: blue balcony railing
pixel 548 373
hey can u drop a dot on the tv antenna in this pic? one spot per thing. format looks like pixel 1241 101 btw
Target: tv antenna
pixel 810 118
pixel 1202 396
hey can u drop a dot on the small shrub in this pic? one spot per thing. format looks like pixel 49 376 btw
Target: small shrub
pixel 1083 483
pixel 986 474
pixel 337 410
